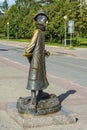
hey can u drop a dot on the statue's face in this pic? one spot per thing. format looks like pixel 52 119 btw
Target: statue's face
pixel 41 19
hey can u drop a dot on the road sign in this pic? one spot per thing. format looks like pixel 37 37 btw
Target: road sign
pixel 70 29
pixel 71 23
pixel 71 26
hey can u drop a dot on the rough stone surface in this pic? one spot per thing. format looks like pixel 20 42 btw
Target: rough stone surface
pixel 7 123
pixel 28 121
pixel 46 106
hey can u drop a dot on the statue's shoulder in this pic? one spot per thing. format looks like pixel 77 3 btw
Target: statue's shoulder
pixel 37 31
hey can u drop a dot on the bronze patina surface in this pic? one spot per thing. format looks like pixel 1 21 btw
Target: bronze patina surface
pixel 39 102
pixel 44 106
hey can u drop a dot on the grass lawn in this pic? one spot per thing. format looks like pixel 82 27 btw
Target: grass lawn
pixel 82 42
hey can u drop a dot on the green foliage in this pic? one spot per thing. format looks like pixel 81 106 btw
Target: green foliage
pixel 21 18
pixel 5 5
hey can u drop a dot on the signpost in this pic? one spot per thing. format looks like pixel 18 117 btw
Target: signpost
pixel 71 30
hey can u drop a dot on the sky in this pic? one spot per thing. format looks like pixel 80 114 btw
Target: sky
pixel 10 2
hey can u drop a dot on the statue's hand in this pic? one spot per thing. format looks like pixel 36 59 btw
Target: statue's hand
pixel 47 53
pixel 27 54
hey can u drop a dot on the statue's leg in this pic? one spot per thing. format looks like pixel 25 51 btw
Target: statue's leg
pixel 42 95
pixel 40 92
pixel 33 97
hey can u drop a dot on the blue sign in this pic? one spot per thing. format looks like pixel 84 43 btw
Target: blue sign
pixel 71 23
pixel 71 26
pixel 70 29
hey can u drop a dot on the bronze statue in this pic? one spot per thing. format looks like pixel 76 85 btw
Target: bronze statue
pixel 41 102
pixel 35 52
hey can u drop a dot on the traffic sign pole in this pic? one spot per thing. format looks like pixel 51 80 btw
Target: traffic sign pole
pixel 71 30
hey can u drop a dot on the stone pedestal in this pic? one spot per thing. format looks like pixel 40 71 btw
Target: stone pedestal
pixel 28 120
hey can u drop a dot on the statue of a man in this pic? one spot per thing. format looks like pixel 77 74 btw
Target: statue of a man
pixel 35 52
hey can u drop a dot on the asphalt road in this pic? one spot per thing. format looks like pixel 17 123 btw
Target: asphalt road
pixel 68 67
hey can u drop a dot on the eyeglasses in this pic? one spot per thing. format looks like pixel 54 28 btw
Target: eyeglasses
pixel 41 18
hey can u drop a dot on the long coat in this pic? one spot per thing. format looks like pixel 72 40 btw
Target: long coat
pixel 35 53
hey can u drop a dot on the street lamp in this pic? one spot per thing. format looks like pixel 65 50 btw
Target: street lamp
pixel 8 30
pixel 65 17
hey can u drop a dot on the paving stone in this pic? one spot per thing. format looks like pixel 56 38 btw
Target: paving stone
pixel 6 123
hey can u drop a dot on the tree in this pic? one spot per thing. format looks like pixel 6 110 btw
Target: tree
pixel 81 21
pixel 5 5
pixel 21 18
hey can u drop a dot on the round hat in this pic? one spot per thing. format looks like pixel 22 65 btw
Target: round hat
pixel 41 12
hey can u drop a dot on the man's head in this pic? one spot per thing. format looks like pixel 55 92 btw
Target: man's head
pixel 41 19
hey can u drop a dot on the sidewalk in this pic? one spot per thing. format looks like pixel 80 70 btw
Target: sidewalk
pixel 76 52
pixel 13 80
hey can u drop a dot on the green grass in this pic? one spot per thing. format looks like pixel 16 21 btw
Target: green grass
pixel 53 44
pixel 82 39
pixel 82 42
pixel 20 40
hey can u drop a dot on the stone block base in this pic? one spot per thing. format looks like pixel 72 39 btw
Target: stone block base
pixel 27 120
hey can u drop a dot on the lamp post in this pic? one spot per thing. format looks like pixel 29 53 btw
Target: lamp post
pixel 65 17
pixel 8 30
